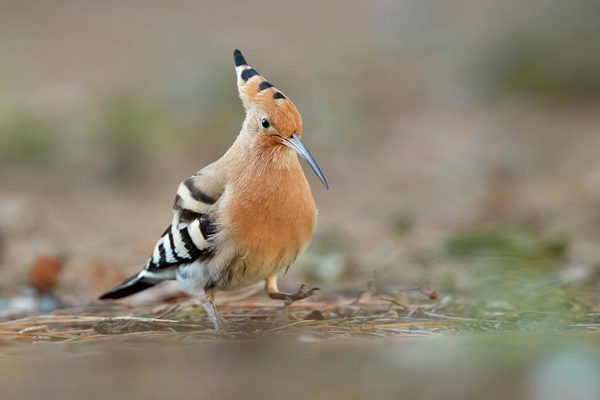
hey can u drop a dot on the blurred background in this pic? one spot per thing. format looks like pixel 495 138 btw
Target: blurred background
pixel 460 140
pixel 442 127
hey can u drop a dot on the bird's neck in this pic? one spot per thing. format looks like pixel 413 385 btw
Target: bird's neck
pixel 260 162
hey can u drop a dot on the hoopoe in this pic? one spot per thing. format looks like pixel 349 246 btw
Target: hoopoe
pixel 245 217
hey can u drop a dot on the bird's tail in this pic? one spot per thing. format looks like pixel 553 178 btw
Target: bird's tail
pixel 131 285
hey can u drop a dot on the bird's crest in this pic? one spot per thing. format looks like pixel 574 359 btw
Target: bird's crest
pixel 255 90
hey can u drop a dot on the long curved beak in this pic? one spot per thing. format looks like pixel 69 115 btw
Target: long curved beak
pixel 295 144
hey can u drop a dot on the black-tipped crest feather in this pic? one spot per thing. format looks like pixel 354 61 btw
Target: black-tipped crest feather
pixel 238 58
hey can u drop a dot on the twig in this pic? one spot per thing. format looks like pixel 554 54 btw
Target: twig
pixel 395 302
pixel 449 317
pixel 167 311
pixel 302 321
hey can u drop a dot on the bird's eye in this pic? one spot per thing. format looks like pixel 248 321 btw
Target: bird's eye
pixel 265 123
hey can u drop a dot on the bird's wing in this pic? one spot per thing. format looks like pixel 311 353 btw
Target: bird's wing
pixel 191 230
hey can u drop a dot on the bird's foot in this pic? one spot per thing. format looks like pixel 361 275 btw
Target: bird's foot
pixel 292 297
pixel 213 315
pixel 211 312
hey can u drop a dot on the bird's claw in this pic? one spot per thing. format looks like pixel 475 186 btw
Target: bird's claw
pixel 292 297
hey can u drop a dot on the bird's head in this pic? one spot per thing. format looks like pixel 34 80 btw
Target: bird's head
pixel 270 116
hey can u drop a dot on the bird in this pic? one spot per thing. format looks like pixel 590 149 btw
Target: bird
pixel 246 217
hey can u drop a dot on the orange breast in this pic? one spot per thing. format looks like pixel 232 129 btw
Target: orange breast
pixel 271 214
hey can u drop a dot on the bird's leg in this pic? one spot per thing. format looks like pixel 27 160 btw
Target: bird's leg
pixel 274 293
pixel 209 306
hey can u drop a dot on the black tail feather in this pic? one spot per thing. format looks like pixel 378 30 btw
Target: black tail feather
pixel 130 286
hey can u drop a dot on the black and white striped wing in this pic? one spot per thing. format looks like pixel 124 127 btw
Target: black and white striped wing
pixel 191 230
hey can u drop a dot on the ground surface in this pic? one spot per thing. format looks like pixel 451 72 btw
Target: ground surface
pixel 347 349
